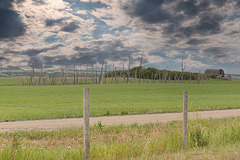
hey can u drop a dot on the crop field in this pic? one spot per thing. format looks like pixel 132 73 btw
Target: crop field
pixel 50 102
pixel 208 139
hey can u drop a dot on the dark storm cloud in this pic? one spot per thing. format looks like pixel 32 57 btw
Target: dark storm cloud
pixel 91 56
pixel 35 52
pixel 33 56
pixel 6 3
pixel 219 2
pixel 11 25
pixel 2 58
pixel 150 11
pixel 238 4
pixel 188 7
pixel 174 13
pixel 20 1
pixel 77 48
pixel 53 22
pixel 216 52
pixel 194 41
pixel 209 24
pixel 71 27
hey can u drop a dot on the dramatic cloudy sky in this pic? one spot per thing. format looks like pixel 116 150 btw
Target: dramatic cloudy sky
pixel 59 33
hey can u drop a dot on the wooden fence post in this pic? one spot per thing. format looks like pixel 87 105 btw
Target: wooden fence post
pixel 185 120
pixel 86 124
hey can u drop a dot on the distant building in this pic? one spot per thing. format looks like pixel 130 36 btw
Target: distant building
pixel 219 74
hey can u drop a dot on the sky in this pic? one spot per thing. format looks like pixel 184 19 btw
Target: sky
pixel 68 33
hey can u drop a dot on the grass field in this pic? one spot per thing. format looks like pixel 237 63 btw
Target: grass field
pixel 10 81
pixel 48 102
pixel 208 139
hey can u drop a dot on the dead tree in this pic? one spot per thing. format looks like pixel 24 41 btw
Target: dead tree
pixel 40 77
pixel 66 76
pixel 123 75
pixel 159 76
pixel 182 69
pixel 128 75
pixel 190 77
pixel 115 75
pixel 74 75
pixel 105 71
pixel 100 76
pixel 140 68
pixel 32 73
pixel 87 75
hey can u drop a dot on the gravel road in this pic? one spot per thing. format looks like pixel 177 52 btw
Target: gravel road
pixel 111 120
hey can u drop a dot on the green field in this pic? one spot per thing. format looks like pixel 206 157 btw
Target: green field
pixel 48 102
pixel 10 81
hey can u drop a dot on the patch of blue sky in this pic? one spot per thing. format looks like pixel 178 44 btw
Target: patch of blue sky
pixel 229 68
pixel 52 39
pixel 86 38
pixel 100 29
pixel 121 28
pixel 78 5
pixel 100 26
pixel 167 64
pixel 234 16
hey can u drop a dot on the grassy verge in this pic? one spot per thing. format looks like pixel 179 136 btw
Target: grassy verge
pixel 49 102
pixel 208 139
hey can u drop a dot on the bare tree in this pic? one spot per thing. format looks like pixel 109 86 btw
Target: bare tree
pixel 182 70
pixel 100 76
pixel 105 71
pixel 128 75
pixel 41 74
pixel 140 68
pixel 32 72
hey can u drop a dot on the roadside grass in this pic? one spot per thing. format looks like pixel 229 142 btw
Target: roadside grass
pixel 51 102
pixel 208 139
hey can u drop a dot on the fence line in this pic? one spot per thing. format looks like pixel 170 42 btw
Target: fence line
pixel 185 120
pixel 91 109
pixel 14 106
pixel 86 126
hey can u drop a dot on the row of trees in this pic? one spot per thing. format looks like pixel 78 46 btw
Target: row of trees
pixel 154 74
pixel 92 75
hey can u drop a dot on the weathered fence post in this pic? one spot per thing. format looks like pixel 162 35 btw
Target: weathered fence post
pixel 86 124
pixel 185 120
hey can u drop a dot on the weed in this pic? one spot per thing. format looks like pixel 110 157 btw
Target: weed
pixel 99 125
pixel 198 137
pixel 108 113
pixel 124 113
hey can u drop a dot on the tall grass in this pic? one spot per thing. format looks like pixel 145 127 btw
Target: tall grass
pixel 125 142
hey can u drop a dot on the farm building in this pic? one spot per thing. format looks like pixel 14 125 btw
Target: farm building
pixel 216 72
pixel 219 74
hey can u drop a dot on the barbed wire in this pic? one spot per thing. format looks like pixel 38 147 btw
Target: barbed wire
pixel 92 109
pixel 130 108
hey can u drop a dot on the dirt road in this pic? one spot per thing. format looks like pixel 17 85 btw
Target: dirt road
pixel 114 120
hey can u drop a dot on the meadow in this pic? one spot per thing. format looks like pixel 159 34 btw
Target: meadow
pixel 50 102
pixel 208 139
